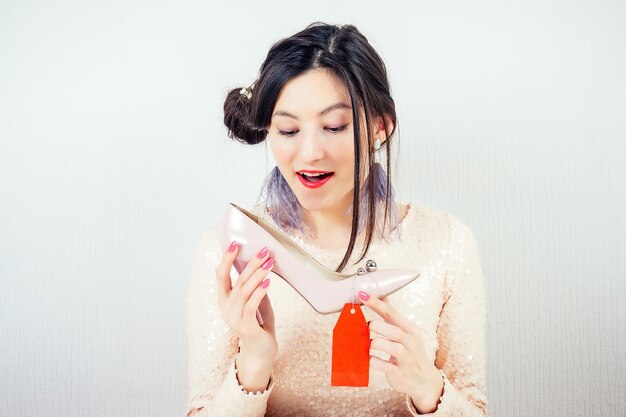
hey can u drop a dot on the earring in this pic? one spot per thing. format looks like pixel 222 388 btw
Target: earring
pixel 376 150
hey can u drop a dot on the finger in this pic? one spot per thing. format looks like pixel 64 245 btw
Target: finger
pixel 381 365
pixel 252 266
pixel 222 271
pixel 390 331
pixel 388 346
pixel 255 279
pixel 243 293
pixel 250 308
pixel 265 307
pixel 386 311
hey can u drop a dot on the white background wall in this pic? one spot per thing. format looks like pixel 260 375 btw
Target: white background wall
pixel 114 159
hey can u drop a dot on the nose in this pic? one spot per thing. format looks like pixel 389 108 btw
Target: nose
pixel 312 147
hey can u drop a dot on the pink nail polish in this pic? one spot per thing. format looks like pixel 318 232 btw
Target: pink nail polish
pixel 363 295
pixel 263 252
pixel 232 246
pixel 265 283
pixel 268 264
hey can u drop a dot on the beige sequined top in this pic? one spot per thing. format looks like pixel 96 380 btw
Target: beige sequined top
pixel 447 302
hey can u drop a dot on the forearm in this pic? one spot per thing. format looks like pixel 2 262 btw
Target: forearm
pixel 213 389
pixel 452 403
pixel 427 401
pixel 253 371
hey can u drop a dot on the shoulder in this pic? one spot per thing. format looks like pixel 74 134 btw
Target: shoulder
pixel 446 226
pixel 460 232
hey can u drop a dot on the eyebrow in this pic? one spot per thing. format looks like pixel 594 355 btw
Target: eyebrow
pixel 323 112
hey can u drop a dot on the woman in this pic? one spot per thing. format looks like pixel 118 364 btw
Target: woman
pixel 322 100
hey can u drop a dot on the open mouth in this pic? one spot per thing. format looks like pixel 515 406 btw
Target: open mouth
pixel 315 178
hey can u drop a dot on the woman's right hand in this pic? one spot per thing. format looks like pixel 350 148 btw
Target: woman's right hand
pixel 239 302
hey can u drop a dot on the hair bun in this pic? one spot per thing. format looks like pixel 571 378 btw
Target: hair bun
pixel 237 117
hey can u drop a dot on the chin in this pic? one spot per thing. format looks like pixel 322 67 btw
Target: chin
pixel 321 204
pixel 312 204
pixel 315 200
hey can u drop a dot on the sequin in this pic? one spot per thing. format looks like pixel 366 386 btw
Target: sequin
pixel 446 303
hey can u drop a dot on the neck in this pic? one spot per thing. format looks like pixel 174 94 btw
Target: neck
pixel 330 229
pixel 330 224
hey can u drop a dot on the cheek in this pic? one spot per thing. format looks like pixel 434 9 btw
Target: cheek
pixel 282 153
pixel 344 155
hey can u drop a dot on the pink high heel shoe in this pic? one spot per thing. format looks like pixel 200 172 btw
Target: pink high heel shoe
pixel 325 290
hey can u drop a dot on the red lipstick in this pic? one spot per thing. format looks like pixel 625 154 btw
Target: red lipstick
pixel 314 182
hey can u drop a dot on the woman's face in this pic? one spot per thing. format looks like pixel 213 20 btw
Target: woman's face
pixel 311 130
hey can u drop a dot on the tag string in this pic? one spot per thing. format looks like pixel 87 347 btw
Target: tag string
pixel 352 310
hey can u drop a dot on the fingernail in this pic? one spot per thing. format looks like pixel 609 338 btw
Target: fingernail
pixel 263 252
pixel 268 264
pixel 232 246
pixel 265 283
pixel 363 295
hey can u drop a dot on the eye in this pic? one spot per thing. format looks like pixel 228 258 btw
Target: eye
pixel 287 132
pixel 338 129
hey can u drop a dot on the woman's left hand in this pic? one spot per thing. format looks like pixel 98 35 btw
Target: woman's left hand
pixel 408 369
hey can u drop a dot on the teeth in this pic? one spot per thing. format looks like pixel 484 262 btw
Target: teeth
pixel 312 175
